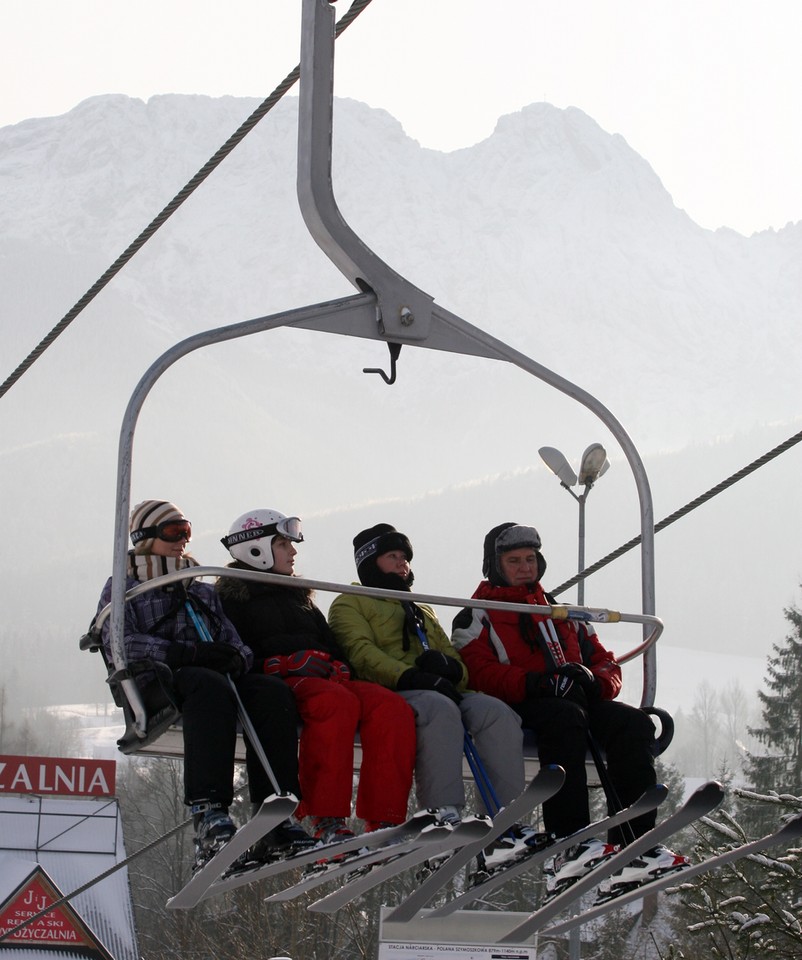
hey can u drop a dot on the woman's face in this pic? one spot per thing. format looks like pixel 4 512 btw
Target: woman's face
pixel 163 548
pixel 394 561
pixel 283 555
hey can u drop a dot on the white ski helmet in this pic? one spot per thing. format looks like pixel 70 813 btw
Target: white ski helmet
pixel 250 538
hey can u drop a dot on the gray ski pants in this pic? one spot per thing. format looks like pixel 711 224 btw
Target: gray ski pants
pixel 440 727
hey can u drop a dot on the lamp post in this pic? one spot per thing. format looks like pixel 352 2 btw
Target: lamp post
pixel 594 464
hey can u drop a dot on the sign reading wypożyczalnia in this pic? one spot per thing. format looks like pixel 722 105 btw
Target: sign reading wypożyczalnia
pixel 58 776
pixel 24 922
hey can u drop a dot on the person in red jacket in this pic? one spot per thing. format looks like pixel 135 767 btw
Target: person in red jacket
pixel 291 640
pixel 563 683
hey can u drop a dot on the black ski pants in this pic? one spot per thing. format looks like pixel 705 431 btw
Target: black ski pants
pixel 624 733
pixel 209 710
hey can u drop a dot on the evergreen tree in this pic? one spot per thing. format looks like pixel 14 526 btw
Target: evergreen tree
pixel 779 769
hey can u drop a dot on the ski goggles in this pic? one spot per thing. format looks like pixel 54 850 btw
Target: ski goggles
pixel 171 531
pixel 288 527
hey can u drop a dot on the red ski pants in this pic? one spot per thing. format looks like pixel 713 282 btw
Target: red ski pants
pixel 331 713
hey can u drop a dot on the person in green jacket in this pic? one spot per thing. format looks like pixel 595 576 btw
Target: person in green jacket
pixel 402 646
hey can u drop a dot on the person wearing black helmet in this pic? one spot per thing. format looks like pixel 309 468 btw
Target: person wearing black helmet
pixel 563 683
pixel 401 645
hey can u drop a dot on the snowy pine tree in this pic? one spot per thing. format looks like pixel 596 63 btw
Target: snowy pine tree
pixel 753 908
pixel 779 769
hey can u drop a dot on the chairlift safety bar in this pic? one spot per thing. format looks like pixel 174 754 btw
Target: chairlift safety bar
pixel 556 612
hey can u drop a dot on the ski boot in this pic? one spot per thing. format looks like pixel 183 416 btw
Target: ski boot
pixel 327 830
pixel 447 816
pixel 642 870
pixel 371 826
pixel 564 869
pixel 518 841
pixel 213 829
pixel 283 840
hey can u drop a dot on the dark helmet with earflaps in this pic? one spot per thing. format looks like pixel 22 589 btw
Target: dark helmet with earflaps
pixel 509 536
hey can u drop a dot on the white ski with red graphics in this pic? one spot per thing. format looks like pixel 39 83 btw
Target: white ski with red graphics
pixel 273 811
pixel 544 785
pixel 436 841
pixel 329 859
pixel 786 834
pixel 700 803
pixel 649 801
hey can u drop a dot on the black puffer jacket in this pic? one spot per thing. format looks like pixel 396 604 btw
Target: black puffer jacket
pixel 276 621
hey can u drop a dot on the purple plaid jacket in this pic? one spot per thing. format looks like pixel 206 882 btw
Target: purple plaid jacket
pixel 148 634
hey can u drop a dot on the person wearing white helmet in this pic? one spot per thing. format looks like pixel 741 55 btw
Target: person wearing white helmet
pixel 291 639
pixel 161 627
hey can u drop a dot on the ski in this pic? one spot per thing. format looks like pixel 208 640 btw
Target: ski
pixel 788 832
pixel 545 784
pixel 436 840
pixel 701 802
pixel 330 857
pixel 272 812
pixel 333 869
pixel 650 800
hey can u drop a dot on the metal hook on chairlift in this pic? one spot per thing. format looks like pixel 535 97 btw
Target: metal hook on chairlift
pixel 395 349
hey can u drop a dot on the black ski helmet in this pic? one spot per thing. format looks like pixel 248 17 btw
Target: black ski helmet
pixel 509 536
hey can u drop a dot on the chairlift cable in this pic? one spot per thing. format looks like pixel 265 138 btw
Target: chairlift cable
pixel 703 498
pixel 95 880
pixel 234 140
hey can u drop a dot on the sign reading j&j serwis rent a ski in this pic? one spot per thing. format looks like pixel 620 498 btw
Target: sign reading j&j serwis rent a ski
pixel 58 776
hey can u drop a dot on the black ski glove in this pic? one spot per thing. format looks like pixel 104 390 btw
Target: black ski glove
pixel 434 661
pixel 414 679
pixel 180 655
pixel 220 657
pixel 580 674
pixel 555 685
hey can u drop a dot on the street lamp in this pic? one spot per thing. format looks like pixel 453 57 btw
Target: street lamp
pixel 594 464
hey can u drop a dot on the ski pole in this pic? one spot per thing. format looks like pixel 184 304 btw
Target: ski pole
pixel 242 713
pixel 614 804
pixel 483 783
pixel 480 776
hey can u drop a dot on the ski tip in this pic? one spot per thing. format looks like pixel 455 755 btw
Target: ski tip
pixel 552 771
pixel 710 790
pixel 283 799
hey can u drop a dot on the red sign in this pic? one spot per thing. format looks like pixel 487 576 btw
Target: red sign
pixel 58 929
pixel 57 776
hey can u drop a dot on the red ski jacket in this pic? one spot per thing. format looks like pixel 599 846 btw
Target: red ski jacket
pixel 500 648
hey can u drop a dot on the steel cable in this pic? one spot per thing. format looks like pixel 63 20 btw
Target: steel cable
pixel 242 131
pixel 91 883
pixel 708 495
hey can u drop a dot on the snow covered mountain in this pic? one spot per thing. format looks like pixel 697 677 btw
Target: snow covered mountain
pixel 551 234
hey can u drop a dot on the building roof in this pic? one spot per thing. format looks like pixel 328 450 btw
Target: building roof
pixel 74 840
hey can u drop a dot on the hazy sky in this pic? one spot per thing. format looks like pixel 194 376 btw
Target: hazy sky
pixel 706 90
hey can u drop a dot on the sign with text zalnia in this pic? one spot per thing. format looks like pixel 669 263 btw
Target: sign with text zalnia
pixel 57 776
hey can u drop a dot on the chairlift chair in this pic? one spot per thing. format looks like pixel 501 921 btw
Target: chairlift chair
pixel 388 308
